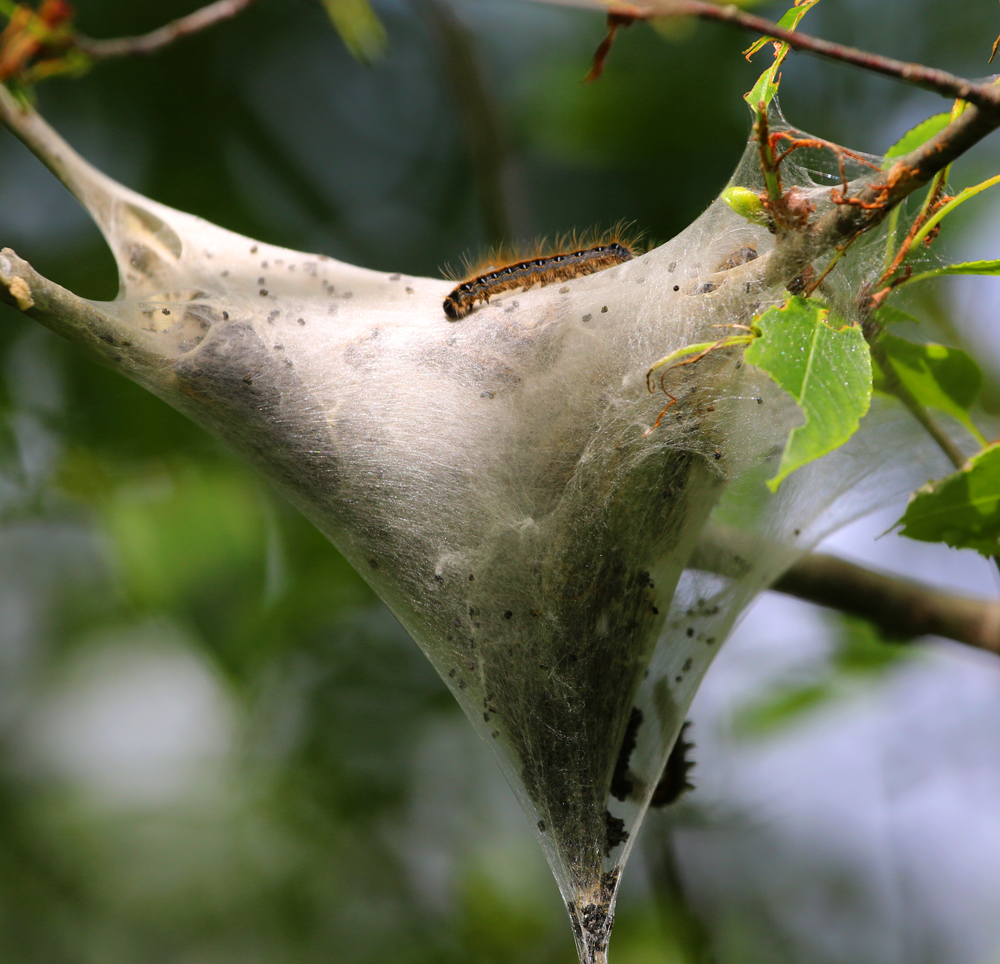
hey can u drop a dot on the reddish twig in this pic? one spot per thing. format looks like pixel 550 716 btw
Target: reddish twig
pixel 615 21
pixel 819 142
pixel 659 418
pixel 932 204
pixel 839 152
pixel 873 199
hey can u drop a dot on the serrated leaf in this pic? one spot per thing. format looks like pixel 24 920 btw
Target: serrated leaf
pixel 826 370
pixel 916 136
pixel 962 510
pixel 359 28
pixel 947 379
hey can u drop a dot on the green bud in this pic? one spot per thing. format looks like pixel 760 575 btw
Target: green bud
pixel 746 204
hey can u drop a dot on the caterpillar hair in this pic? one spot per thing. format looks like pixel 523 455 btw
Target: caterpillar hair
pixel 538 270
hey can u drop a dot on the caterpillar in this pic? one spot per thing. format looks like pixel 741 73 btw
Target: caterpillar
pixel 534 271
pixel 674 780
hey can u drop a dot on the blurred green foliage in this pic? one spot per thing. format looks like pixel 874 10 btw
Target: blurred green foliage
pixel 860 659
pixel 289 828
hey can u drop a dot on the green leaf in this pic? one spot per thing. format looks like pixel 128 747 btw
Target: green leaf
pixel 962 510
pixel 916 136
pixel 888 315
pixel 782 708
pixel 359 28
pixel 764 90
pixel 767 84
pixel 703 347
pixel 966 267
pixel 789 21
pixel 826 370
pixel 862 650
pixel 938 377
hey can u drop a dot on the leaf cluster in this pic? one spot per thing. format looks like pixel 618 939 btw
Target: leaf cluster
pixel 831 360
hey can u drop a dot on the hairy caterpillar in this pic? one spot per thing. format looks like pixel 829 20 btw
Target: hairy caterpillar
pixel 534 271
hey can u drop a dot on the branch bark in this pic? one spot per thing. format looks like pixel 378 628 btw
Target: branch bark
pixel 900 608
pixel 928 78
pixel 150 42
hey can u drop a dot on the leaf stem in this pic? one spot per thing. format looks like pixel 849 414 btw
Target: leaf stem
pixel 768 167
pixel 893 263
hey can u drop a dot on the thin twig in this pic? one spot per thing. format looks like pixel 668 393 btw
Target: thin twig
pixel 148 43
pixel 929 78
pixel 878 193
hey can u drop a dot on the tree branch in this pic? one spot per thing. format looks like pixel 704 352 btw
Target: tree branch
pixel 901 609
pixel 148 43
pixel 929 78
pixel 872 197
pixel 898 606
